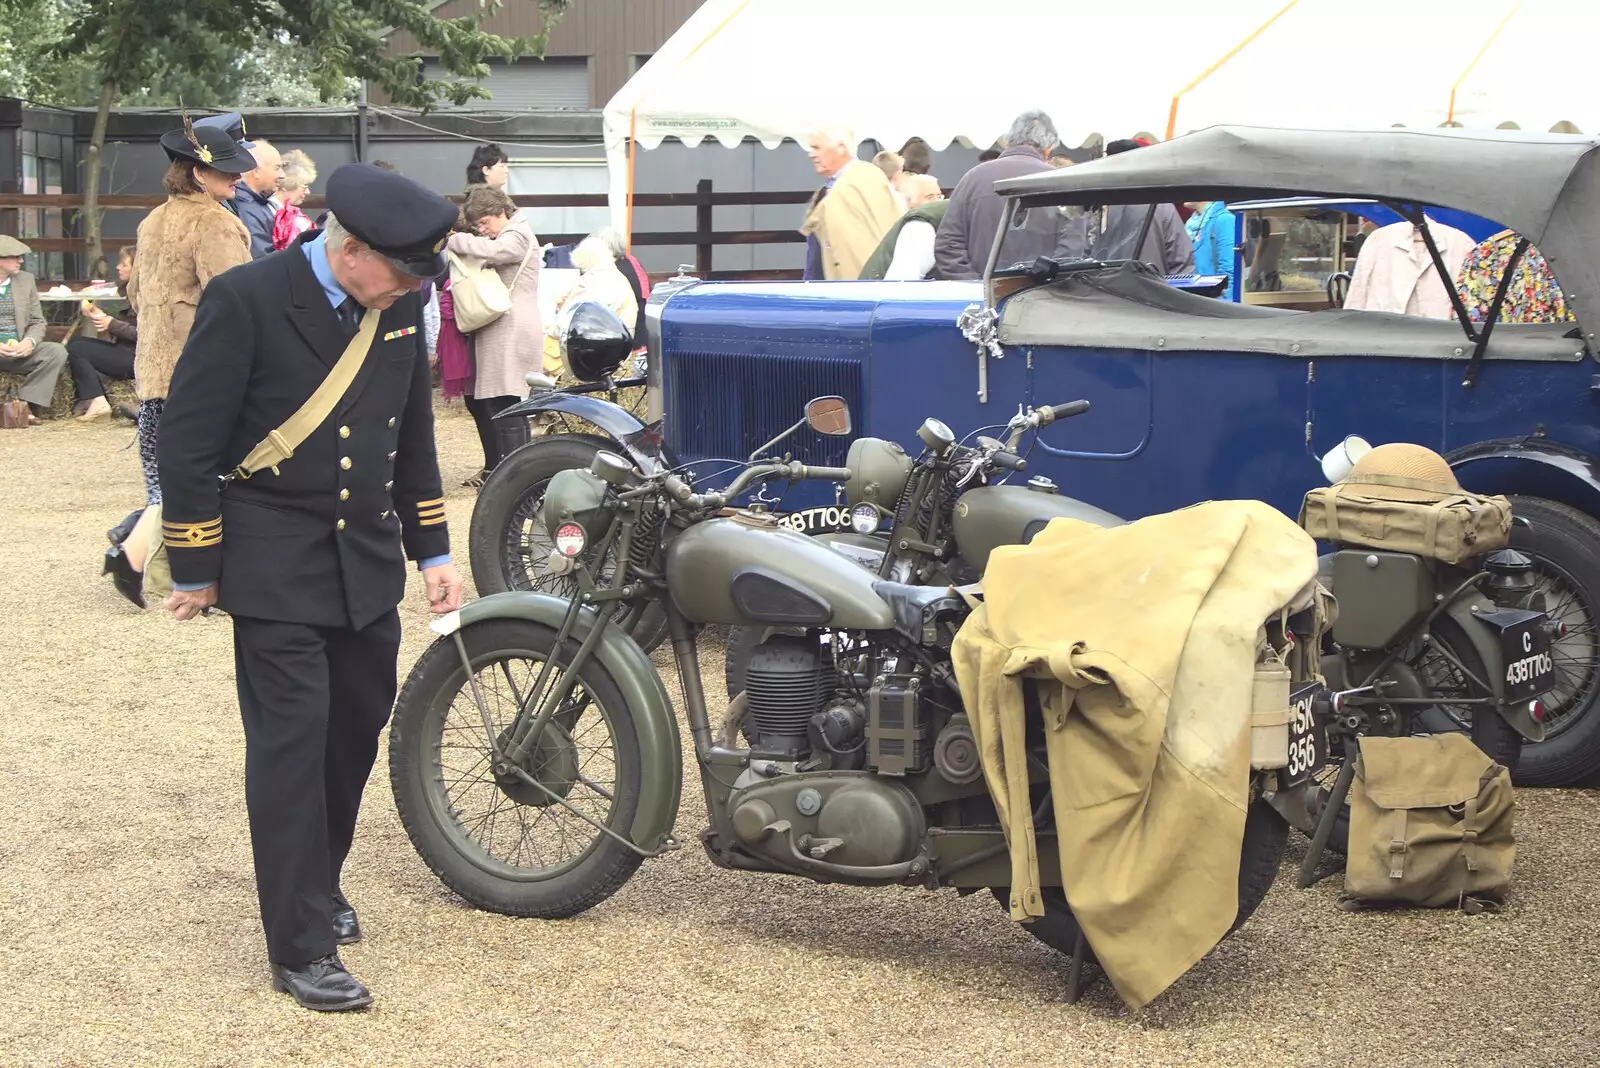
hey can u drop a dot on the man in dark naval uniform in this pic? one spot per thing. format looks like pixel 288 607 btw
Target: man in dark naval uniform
pixel 307 556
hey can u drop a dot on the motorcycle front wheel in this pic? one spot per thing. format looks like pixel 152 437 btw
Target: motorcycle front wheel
pixel 501 843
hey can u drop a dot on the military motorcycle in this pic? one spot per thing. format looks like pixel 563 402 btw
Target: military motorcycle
pixel 1417 646
pixel 535 757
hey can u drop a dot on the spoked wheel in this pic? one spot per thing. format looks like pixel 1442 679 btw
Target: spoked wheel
pixel 1449 669
pixel 1560 541
pixel 517 839
pixel 508 542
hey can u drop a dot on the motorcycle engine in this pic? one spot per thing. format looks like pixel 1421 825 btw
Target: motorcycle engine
pixel 793 712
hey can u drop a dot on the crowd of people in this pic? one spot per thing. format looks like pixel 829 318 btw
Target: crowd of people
pixel 889 219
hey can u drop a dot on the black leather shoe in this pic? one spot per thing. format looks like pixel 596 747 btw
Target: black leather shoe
pixel 346 928
pixel 322 985
pixel 129 583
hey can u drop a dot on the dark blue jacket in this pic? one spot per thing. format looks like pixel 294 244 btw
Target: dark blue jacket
pixel 257 213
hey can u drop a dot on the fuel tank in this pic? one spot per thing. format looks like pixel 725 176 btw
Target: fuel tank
pixel 991 516
pixel 747 569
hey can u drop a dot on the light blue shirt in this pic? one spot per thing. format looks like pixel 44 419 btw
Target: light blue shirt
pixel 316 251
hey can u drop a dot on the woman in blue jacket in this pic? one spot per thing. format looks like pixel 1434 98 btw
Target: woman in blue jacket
pixel 1211 228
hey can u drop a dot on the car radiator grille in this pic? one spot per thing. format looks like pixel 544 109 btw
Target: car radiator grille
pixel 728 405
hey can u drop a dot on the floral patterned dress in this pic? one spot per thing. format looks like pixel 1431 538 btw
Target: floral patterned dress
pixel 1534 295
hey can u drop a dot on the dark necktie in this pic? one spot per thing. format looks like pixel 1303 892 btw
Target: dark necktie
pixel 350 315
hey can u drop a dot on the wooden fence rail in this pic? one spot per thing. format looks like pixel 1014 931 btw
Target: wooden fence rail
pixel 704 238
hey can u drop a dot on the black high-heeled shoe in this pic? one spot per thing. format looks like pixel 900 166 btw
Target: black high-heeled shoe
pixel 119 533
pixel 129 583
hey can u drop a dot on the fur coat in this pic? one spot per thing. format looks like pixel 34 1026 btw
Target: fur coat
pixel 183 244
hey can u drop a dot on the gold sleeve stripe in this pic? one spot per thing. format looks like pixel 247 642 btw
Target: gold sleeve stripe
pixel 210 524
pixel 433 522
pixel 425 504
pixel 204 541
pixel 192 535
pixel 430 511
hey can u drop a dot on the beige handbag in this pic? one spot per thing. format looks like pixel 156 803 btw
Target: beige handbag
pixel 480 297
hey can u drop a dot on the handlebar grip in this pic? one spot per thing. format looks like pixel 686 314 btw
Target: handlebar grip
pixel 1069 409
pixel 1009 460
pixel 678 488
pixel 829 474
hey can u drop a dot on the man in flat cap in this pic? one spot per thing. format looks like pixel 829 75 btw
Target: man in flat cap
pixel 23 349
pixel 306 554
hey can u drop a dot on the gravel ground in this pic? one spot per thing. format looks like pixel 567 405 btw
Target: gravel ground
pixel 129 935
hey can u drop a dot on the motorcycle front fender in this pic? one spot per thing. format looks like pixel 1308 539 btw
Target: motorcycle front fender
pixel 1487 645
pixel 614 419
pixel 644 694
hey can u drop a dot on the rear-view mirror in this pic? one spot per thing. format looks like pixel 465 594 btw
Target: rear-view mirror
pixel 828 415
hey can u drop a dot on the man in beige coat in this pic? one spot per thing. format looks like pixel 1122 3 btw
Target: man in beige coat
pixel 852 211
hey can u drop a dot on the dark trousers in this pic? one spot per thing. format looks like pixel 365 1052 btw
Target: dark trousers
pixel 90 358
pixel 313 700
pixel 483 410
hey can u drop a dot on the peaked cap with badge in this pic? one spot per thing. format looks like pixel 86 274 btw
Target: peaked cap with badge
pixel 402 221
pixel 230 123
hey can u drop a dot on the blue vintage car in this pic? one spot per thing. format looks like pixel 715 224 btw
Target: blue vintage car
pixel 1195 398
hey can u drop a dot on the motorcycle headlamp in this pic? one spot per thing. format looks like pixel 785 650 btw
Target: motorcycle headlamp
pixel 576 511
pixel 570 539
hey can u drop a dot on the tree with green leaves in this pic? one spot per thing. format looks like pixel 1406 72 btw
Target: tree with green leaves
pixel 131 45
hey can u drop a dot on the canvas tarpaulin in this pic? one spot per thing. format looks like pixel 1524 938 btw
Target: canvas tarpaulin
pixel 1142 641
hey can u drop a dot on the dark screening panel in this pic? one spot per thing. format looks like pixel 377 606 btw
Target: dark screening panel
pixel 722 404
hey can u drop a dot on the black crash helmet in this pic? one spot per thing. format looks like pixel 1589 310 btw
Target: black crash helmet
pixel 595 342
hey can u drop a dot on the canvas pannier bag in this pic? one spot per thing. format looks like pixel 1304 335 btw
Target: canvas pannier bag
pixel 1430 825
pixel 480 297
pixel 1451 524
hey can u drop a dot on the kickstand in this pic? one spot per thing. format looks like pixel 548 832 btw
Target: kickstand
pixel 1330 813
pixel 1075 983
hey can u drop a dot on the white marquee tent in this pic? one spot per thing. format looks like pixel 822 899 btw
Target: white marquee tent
pixel 945 70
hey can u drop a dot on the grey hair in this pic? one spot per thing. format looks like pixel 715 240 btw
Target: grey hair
pixel 334 233
pixel 298 170
pixel 592 252
pixel 834 133
pixel 1033 128
pixel 613 241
